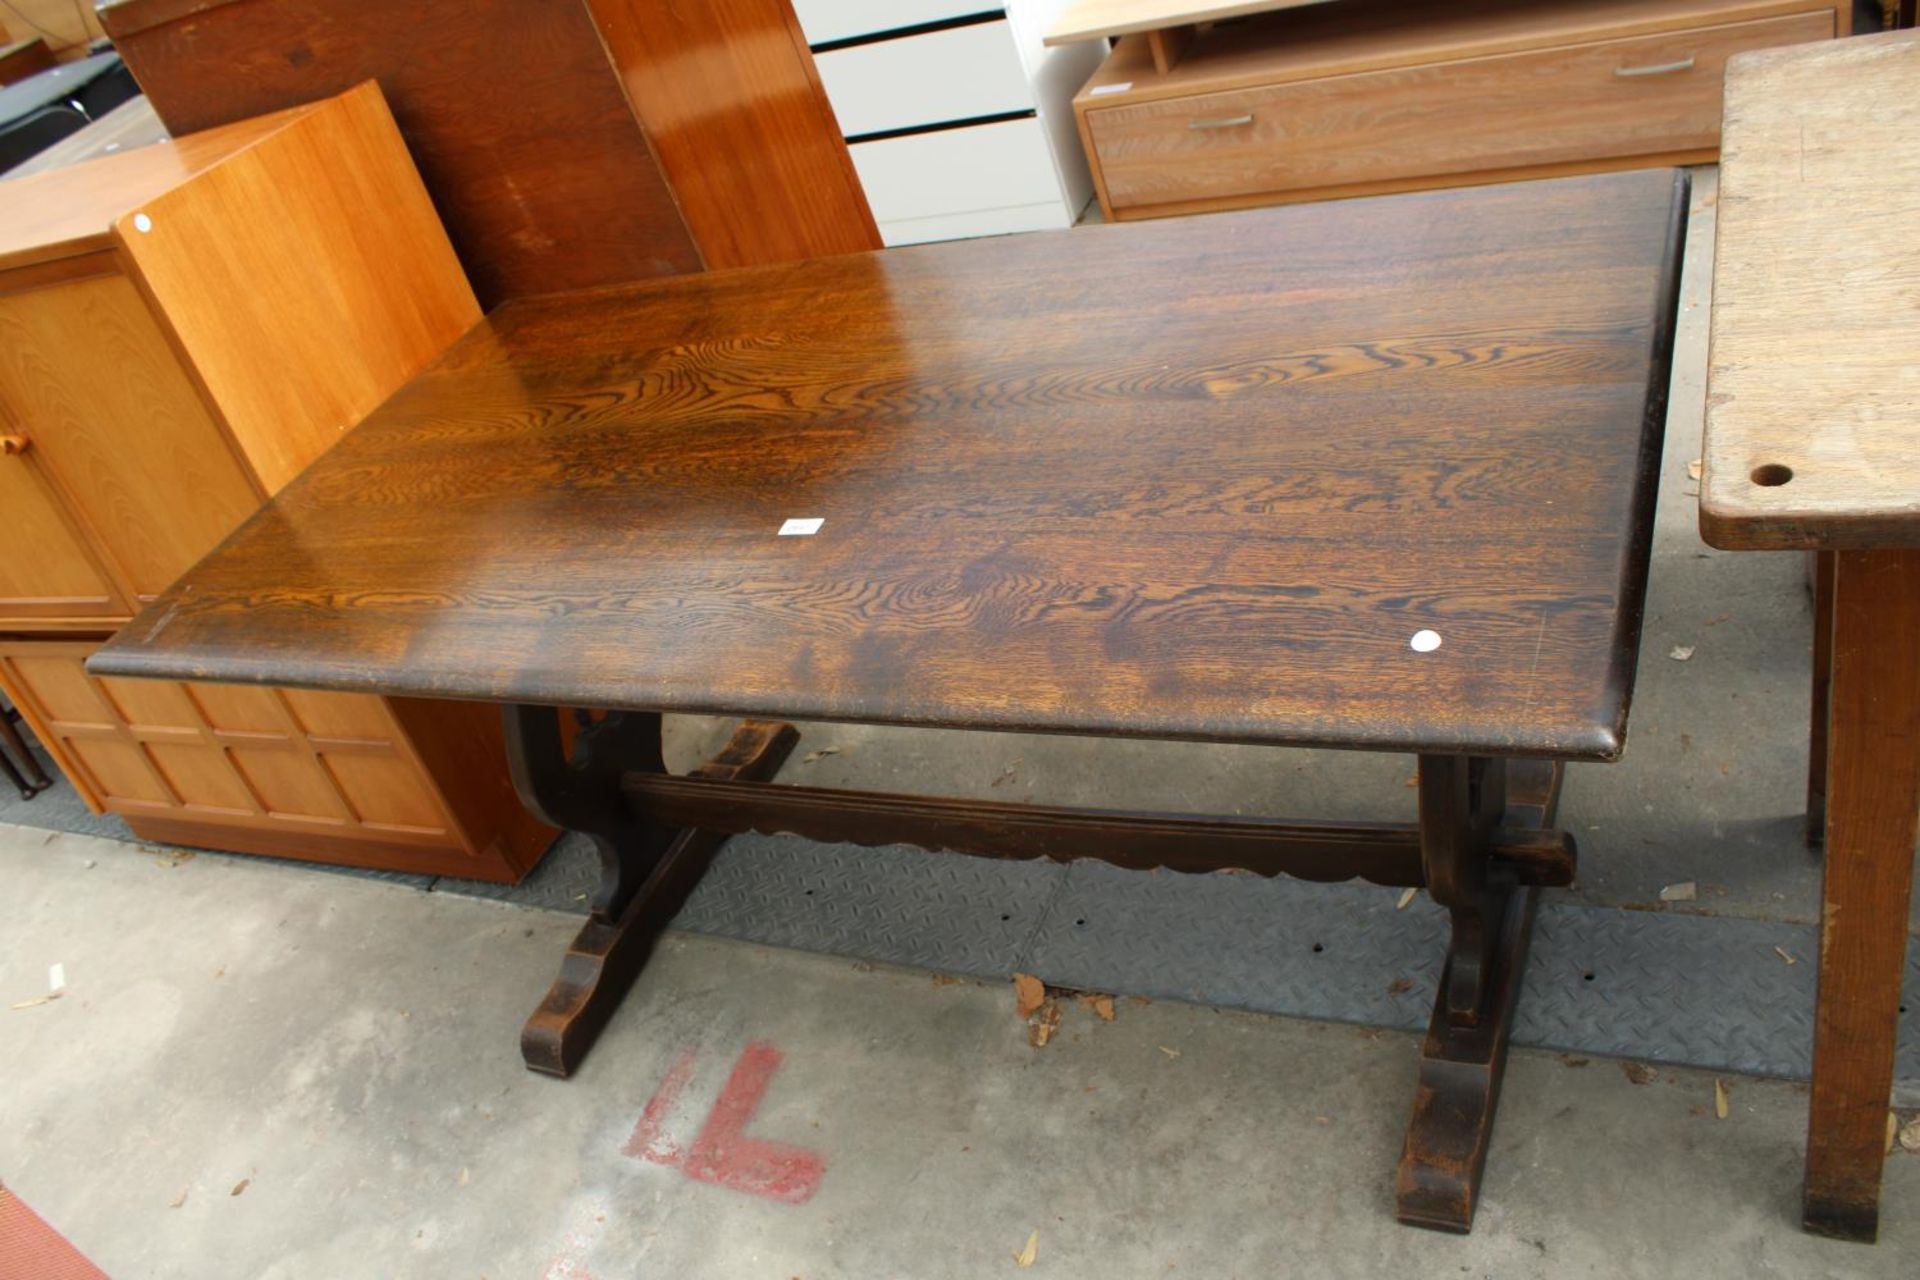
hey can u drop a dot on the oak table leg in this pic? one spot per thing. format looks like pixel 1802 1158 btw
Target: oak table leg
pixel 1822 679
pixel 1462 801
pixel 1873 804
pixel 34 779
pixel 647 869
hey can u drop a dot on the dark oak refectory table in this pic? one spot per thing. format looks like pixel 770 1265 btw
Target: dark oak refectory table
pixel 1376 474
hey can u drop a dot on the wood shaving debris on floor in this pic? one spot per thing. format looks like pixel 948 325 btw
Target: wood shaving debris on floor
pixel 1025 1257
pixel 1171 1053
pixel 240 1186
pixel 1029 993
pixel 37 1001
pixel 1681 652
pixel 946 979
pixel 1399 986
pixel 1719 1100
pixel 1685 891
pixel 821 754
pixel 1406 898
pixel 1042 1025
pixel 179 1200
pixel 1006 775
pixel 1102 1006
pixel 1693 469
pixel 1639 1072
pixel 1910 1137
pixel 1786 955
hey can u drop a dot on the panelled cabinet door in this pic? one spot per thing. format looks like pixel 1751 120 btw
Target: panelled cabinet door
pixel 118 427
pixel 46 569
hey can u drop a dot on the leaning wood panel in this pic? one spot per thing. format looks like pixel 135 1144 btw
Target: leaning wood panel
pixel 1813 406
pixel 729 96
pixel 297 319
pixel 517 122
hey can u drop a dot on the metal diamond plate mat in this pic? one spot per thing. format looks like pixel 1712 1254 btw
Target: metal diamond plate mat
pixel 897 905
pixel 1691 990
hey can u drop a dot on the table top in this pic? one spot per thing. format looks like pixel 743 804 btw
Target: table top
pixel 128 126
pixel 71 209
pixel 1196 478
pixel 1813 378
pixel 1088 19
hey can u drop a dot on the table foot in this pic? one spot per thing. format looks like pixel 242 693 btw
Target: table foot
pixel 1857 1221
pixel 647 870
pixel 1438 1182
pixel 1463 801
pixel 605 958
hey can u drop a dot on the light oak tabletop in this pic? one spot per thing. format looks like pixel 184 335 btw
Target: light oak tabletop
pixel 1813 377
pixel 1376 473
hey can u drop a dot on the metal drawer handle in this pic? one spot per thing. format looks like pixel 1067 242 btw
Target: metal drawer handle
pixel 13 443
pixel 1221 122
pixel 1658 69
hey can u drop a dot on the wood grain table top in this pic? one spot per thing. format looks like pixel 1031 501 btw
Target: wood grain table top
pixel 1813 378
pixel 1197 478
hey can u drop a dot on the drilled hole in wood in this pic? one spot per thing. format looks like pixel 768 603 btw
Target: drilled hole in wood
pixel 1587 976
pixel 1771 474
pixel 1081 923
pixel 1317 948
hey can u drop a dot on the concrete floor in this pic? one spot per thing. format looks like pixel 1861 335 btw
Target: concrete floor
pixel 344 1048
pixel 264 1071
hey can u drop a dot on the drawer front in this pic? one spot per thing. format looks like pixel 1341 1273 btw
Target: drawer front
pixel 1610 99
pixel 923 80
pixel 989 166
pixel 828 20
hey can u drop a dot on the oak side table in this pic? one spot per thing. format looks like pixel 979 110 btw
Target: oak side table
pixel 1813 442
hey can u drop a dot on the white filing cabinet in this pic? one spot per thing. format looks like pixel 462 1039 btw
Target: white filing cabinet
pixel 960 122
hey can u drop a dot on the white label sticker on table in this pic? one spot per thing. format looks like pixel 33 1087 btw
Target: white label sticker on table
pixel 802 528
pixel 1099 89
pixel 1425 641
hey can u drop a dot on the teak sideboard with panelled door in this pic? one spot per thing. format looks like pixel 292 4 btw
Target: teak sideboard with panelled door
pixel 183 328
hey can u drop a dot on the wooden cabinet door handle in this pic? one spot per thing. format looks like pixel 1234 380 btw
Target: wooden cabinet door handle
pixel 1657 69
pixel 13 443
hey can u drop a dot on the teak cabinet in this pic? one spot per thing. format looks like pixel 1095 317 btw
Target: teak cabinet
pixel 183 328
